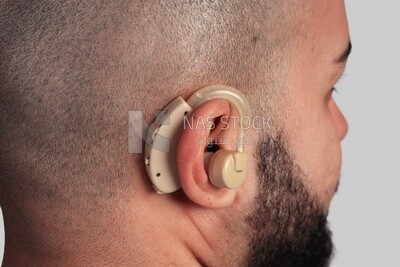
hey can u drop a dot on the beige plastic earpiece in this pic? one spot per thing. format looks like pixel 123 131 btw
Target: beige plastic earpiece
pixel 227 169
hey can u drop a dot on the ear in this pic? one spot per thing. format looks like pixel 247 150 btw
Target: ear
pixel 191 152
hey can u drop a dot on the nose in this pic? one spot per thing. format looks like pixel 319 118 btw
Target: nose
pixel 341 125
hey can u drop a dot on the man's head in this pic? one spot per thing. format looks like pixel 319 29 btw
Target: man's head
pixel 71 71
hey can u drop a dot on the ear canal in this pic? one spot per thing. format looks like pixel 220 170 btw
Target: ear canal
pixel 227 169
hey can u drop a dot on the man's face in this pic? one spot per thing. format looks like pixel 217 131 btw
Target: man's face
pixel 299 169
pixel 314 125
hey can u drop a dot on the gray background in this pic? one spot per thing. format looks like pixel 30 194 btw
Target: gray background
pixel 363 214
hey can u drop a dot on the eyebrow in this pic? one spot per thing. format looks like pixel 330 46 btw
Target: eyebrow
pixel 345 55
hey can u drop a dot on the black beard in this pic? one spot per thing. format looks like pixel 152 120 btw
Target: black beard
pixel 288 225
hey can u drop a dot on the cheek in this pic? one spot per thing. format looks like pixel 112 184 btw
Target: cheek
pixel 313 141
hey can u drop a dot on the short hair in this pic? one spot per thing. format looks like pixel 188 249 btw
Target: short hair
pixel 71 70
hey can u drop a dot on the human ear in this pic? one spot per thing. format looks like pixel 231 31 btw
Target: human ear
pixel 204 123
pixel 212 109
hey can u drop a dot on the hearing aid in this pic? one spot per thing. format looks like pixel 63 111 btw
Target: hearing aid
pixel 226 168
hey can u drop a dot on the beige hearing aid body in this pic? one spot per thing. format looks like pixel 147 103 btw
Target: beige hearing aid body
pixel 226 168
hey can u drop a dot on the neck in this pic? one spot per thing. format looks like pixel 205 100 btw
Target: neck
pixel 110 254
pixel 118 239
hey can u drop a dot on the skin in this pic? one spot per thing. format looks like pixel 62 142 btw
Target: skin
pixel 315 126
pixel 208 223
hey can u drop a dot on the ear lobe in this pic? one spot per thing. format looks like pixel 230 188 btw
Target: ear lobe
pixel 190 157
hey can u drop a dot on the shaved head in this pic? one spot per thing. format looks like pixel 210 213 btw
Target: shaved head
pixel 71 70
